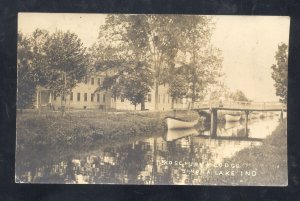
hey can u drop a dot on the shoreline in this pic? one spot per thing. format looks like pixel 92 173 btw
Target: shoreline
pixel 259 165
pixel 80 129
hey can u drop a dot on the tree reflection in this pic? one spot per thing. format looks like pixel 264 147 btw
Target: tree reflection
pixel 140 162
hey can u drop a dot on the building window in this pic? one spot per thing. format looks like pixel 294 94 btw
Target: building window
pixel 164 98
pixel 85 80
pixel 92 81
pixel 54 96
pixel 71 96
pixel 85 96
pixel 98 97
pixel 122 99
pixel 168 99
pixel 99 81
pixel 78 96
pixel 63 97
pixel 103 98
pixel 149 97
pixel 92 97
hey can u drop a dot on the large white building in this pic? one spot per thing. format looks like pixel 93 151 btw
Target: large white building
pixel 83 96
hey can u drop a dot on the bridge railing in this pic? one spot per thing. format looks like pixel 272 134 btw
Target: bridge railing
pixel 239 105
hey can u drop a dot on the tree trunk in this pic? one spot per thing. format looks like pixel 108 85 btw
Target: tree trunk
pixel 39 103
pixel 193 95
pixel 63 95
pixel 62 108
pixel 142 105
pixel 156 94
pixel 172 103
pixel 192 105
pixel 194 80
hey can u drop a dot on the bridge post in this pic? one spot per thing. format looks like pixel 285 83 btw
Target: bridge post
pixel 281 116
pixel 246 123
pixel 213 122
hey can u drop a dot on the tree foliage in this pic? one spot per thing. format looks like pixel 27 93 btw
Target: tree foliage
pixel 31 59
pixel 122 49
pixel 56 61
pixel 160 42
pixel 38 45
pixel 202 61
pixel 178 86
pixel 65 61
pixel 26 85
pixel 280 72
pixel 219 92
pixel 238 95
pixel 135 84
pixel 202 72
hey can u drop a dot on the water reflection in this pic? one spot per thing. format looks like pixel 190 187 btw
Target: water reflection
pixel 177 157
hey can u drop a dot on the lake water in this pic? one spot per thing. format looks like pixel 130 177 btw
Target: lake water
pixel 175 157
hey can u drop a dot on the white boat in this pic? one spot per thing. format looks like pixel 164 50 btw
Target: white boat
pixel 229 117
pixel 174 134
pixel 179 124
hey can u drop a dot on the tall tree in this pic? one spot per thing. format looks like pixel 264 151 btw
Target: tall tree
pixel 162 38
pixel 280 72
pixel 203 61
pixel 124 55
pixel 163 46
pixel 153 36
pixel 66 63
pixel 31 62
pixel 38 42
pixel 57 61
pixel 202 71
pixel 26 85
pixel 134 84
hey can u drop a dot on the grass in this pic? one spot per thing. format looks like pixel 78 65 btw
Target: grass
pixel 46 137
pixel 83 128
pixel 269 161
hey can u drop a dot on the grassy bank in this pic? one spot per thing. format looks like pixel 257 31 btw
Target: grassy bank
pixel 260 165
pixel 80 129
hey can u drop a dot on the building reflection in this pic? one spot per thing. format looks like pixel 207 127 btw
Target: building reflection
pixel 182 160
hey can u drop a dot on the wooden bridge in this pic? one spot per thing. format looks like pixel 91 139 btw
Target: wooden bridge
pixel 246 107
pixel 235 106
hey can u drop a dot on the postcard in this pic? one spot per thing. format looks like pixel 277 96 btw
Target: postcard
pixel 152 99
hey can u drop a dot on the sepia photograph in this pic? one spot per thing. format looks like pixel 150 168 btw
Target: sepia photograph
pixel 152 99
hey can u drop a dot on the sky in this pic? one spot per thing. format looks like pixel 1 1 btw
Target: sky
pixel 248 44
pixel 248 47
